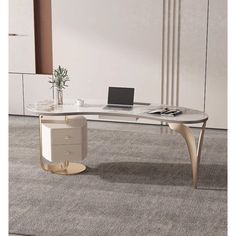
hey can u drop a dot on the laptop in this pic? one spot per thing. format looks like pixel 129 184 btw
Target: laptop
pixel 120 97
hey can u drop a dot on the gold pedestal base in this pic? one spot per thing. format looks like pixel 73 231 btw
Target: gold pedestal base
pixel 71 169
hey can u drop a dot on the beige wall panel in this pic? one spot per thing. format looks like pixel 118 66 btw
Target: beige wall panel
pixel 216 89
pixel 109 43
pixel 192 53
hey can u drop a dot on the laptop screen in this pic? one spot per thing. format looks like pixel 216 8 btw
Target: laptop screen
pixel 120 96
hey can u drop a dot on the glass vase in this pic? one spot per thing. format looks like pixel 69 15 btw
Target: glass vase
pixel 59 97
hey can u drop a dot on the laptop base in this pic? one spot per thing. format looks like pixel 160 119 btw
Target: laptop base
pixel 113 107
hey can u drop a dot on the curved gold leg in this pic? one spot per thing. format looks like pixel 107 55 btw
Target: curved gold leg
pixel 63 168
pixel 194 152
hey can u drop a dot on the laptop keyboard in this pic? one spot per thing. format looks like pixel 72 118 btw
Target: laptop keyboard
pixel 118 108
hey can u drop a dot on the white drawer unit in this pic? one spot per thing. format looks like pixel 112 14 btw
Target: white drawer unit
pixel 64 139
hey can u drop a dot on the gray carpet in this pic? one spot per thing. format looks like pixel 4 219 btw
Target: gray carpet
pixel 138 182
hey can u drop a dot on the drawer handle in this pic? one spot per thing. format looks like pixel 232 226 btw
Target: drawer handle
pixel 67 152
pixel 13 34
pixel 67 137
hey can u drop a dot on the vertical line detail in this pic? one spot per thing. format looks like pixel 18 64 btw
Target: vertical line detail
pixel 206 55
pixel 163 53
pixel 171 31
pixel 178 54
pixel 173 55
pixel 168 52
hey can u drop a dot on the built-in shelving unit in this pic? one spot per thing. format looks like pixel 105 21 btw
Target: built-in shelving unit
pixel 30 53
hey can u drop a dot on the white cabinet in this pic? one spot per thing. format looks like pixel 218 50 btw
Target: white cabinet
pixel 66 140
pixel 216 86
pixel 16 106
pixel 36 88
pixel 21 36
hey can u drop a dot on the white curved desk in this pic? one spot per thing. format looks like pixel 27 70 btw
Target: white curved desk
pixel 177 123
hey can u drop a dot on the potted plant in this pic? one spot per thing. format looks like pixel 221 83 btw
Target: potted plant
pixel 58 81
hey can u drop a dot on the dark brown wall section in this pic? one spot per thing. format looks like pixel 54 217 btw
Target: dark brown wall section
pixel 43 36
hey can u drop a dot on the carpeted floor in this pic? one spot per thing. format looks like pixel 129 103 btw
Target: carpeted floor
pixel 138 182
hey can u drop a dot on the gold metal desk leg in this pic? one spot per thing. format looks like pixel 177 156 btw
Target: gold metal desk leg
pixel 194 152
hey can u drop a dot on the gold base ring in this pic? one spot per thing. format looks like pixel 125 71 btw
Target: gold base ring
pixel 71 169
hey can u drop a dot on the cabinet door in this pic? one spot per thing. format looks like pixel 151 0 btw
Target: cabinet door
pixel 36 88
pixel 21 36
pixel 15 94
pixel 216 89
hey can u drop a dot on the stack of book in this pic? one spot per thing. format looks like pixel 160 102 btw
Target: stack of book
pixel 165 112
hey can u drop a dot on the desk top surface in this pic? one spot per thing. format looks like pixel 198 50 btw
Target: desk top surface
pixel 188 116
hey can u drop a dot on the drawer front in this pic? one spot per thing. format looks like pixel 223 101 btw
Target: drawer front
pixel 71 153
pixel 66 136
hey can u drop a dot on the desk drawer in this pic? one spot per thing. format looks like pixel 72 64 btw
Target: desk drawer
pixel 71 153
pixel 66 135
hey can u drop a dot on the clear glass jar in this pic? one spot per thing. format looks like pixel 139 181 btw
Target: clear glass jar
pixel 59 97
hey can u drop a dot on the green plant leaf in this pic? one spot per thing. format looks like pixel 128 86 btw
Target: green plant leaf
pixel 60 77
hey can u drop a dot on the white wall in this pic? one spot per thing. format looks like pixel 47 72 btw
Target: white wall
pixel 216 86
pixel 192 53
pixel 109 43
